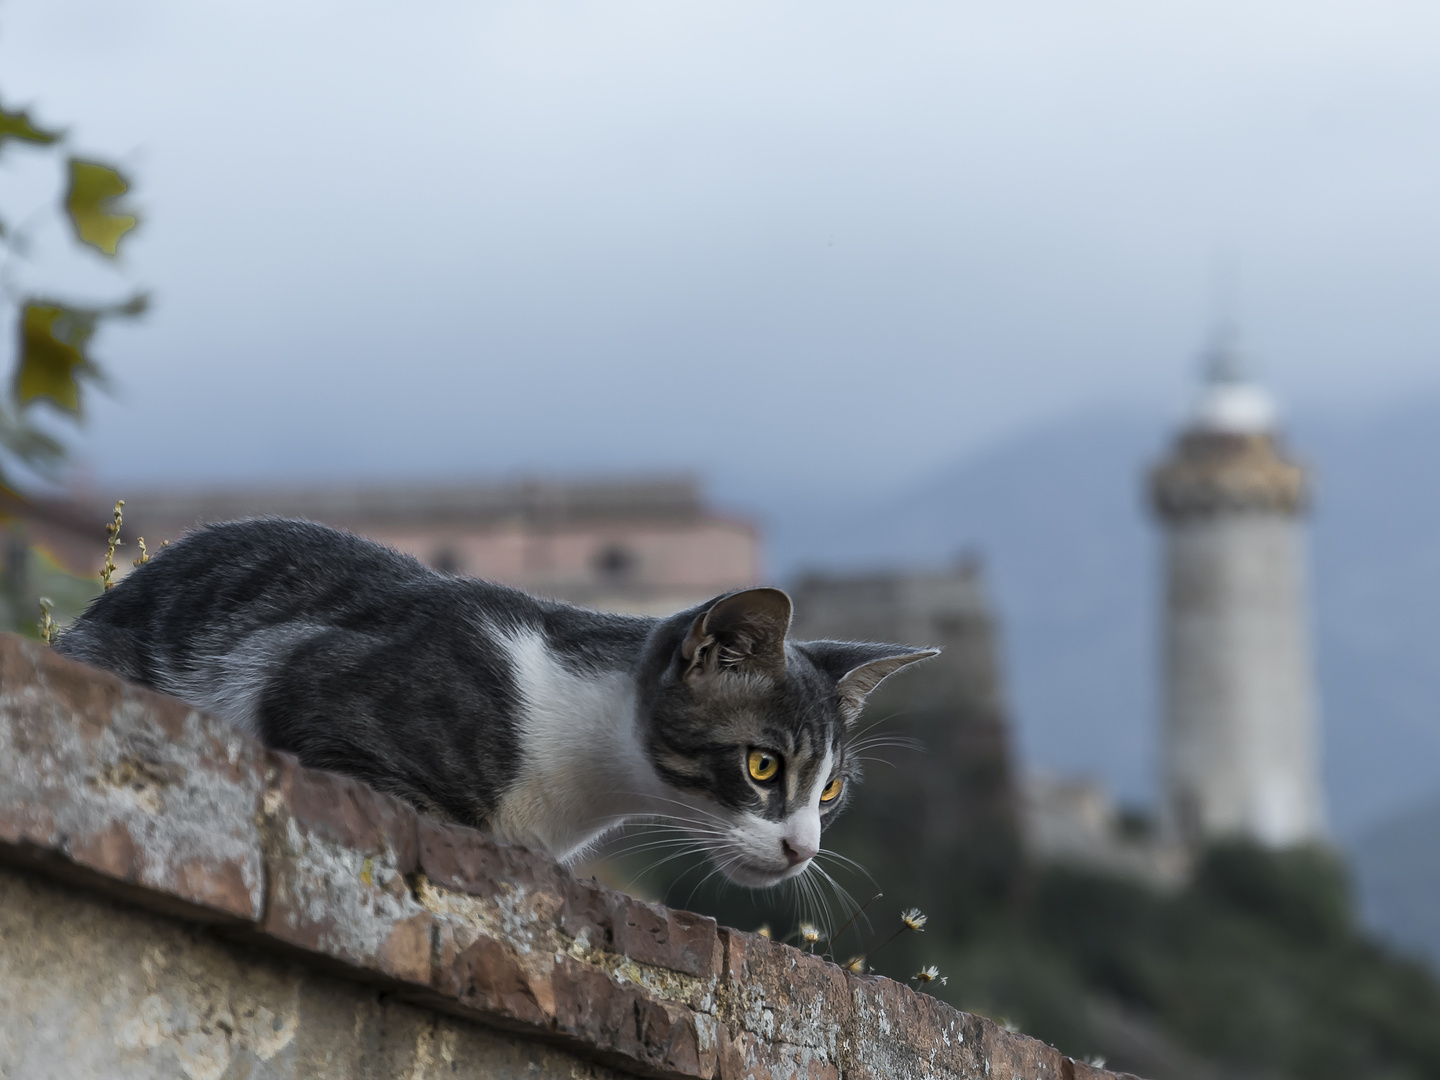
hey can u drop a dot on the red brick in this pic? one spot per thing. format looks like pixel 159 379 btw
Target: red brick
pixel 489 976
pixel 622 1019
pixel 111 852
pixel 341 810
pixel 470 862
pixel 677 940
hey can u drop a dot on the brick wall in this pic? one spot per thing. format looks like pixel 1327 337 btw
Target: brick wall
pixel 175 900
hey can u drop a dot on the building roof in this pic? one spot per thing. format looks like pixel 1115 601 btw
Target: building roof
pixel 1230 402
pixel 538 501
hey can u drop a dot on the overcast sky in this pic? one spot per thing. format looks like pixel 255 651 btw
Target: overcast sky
pixel 799 246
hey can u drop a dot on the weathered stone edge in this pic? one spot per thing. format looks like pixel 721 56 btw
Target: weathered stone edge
pixel 136 795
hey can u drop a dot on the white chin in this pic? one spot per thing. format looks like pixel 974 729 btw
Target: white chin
pixel 759 877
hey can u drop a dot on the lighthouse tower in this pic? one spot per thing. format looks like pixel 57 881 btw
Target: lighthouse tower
pixel 1240 754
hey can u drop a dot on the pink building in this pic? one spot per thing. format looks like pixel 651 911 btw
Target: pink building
pixel 646 545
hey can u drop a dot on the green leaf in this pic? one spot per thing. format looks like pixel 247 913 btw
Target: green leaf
pixel 17 125
pixel 90 201
pixel 53 339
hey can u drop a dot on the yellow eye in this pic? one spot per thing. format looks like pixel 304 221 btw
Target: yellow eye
pixel 763 764
pixel 832 789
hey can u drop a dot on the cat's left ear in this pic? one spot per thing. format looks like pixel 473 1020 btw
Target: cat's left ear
pixel 742 632
pixel 860 667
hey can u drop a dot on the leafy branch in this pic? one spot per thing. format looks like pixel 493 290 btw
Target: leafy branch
pixel 53 359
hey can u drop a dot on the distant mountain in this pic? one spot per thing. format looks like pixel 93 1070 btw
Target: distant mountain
pixel 1058 515
pixel 1398 865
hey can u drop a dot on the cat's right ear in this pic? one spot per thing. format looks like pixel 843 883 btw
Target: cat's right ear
pixel 743 632
pixel 859 667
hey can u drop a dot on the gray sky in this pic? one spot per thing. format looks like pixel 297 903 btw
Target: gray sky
pixel 799 246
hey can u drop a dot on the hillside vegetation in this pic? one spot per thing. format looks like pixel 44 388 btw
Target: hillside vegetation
pixel 1258 968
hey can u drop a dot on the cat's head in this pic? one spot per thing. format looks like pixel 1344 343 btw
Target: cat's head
pixel 749 730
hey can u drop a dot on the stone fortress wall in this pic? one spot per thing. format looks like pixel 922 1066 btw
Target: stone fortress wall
pixel 177 901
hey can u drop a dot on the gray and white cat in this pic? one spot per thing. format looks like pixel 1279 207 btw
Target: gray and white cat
pixel 541 723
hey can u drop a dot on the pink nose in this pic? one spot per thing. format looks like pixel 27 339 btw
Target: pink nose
pixel 797 853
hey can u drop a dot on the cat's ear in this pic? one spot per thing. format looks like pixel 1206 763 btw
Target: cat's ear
pixel 743 632
pixel 859 667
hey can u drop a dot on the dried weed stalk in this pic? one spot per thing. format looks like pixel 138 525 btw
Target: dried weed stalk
pixel 112 532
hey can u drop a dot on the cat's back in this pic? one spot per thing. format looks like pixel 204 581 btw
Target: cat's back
pixel 260 567
pixel 224 583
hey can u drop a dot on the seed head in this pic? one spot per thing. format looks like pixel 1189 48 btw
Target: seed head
pixel 764 931
pixel 928 975
pixel 47 623
pixel 855 965
pixel 913 918
pixel 809 933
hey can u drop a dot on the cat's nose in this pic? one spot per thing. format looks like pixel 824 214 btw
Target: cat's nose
pixel 797 853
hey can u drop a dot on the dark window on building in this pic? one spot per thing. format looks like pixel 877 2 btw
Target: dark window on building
pixel 949 625
pixel 615 562
pixel 446 560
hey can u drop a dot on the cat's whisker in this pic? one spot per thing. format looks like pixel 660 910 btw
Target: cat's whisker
pixel 865 753
pixel 640 822
pixel 819 906
pixel 720 868
pixel 843 897
pixel 657 848
pixel 873 724
pixel 652 797
pixel 650 868
pixel 680 826
pixel 628 816
pixel 827 853
pixel 652 845
pixel 804 909
pixel 841 893
pixel 698 884
pixel 697 849
pixel 815 901
pixel 899 742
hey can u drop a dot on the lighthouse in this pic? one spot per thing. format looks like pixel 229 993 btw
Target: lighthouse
pixel 1239 744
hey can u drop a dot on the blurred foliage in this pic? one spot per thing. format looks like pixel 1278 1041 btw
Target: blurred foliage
pixel 53 360
pixel 91 204
pixel 17 125
pixel 28 573
pixel 51 364
pixel 1258 965
pixel 53 340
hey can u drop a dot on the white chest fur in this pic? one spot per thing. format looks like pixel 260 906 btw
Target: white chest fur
pixel 583 769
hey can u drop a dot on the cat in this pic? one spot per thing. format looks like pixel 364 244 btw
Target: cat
pixel 538 722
